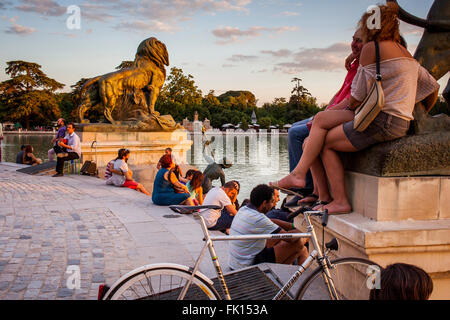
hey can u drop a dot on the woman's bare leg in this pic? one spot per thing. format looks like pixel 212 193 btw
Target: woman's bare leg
pixel 323 121
pixel 336 140
pixel 141 188
pixel 318 171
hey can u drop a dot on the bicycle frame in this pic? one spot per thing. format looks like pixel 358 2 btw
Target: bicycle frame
pixel 315 254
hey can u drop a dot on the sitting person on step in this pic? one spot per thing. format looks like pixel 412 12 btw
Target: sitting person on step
pixel 251 219
pixel 167 189
pixel 122 176
pixel 225 197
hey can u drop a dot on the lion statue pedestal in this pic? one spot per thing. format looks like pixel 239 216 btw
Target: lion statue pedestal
pixel 146 147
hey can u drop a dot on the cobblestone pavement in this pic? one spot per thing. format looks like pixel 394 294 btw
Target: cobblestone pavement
pixel 50 225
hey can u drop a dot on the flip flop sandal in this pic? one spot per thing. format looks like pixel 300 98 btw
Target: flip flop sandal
pixel 312 195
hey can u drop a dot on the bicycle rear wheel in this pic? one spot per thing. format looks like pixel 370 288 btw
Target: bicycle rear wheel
pixel 351 277
pixel 160 283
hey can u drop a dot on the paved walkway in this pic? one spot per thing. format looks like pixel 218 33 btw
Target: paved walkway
pixel 48 224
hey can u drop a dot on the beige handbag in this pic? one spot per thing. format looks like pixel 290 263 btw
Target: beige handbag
pixel 374 101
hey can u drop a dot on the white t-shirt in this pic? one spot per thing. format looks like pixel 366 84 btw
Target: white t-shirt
pixel 117 179
pixel 248 220
pixel 215 196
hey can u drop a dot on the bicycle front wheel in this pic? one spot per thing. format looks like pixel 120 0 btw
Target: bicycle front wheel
pixel 160 283
pixel 352 279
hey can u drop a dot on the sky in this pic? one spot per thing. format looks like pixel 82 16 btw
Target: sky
pixel 253 45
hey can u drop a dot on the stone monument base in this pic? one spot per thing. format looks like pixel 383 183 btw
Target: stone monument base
pixel 396 220
pixel 146 147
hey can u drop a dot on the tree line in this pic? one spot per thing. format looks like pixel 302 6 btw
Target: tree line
pixel 30 98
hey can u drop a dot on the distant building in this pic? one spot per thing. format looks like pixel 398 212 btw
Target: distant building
pixel 196 125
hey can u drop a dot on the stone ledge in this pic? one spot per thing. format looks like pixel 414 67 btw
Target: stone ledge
pixel 413 155
pixel 399 198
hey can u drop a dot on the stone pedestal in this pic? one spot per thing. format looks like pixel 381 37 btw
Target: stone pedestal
pixel 396 220
pixel 146 147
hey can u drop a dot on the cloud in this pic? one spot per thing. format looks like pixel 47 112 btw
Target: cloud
pixel 279 53
pixel 143 26
pixel 17 28
pixel 323 59
pixel 144 14
pixel 43 7
pixel 289 13
pixel 228 65
pixel 242 58
pixel 64 34
pixel 232 34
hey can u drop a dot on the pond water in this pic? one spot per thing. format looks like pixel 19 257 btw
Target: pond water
pixel 257 157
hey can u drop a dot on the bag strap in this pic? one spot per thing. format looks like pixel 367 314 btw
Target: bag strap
pixel 377 54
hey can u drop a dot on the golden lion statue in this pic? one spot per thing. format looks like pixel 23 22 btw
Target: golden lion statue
pixel 137 86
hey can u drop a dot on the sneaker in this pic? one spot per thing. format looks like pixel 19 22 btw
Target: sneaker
pixel 58 175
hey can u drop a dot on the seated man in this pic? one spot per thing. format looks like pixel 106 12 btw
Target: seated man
pixel 122 176
pixel 224 197
pixel 280 214
pixel 251 219
pixel 59 136
pixel 19 156
pixel 73 148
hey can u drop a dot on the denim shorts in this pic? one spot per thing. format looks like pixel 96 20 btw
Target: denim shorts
pixel 384 127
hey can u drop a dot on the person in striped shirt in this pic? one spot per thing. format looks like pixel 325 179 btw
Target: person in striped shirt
pixel 251 219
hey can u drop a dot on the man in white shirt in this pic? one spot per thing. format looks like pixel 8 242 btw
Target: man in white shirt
pixel 251 219
pixel 73 148
pixel 122 176
pixel 225 197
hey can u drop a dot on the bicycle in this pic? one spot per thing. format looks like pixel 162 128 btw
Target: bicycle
pixel 170 281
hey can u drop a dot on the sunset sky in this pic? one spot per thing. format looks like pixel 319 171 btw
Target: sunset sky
pixel 226 45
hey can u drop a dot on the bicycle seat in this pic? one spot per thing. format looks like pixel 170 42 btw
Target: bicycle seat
pixel 183 209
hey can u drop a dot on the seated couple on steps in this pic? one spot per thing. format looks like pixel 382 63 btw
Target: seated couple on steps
pixel 404 81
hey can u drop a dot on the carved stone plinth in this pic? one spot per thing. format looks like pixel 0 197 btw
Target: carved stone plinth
pixel 146 147
pixel 415 155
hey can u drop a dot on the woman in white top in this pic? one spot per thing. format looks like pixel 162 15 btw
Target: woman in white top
pixel 404 83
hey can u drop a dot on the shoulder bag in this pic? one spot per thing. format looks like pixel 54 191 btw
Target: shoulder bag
pixel 374 101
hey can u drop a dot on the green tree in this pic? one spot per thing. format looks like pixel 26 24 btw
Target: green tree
pixel 241 99
pixel 180 88
pixel 28 96
pixel 299 93
pixel 265 122
pixel 244 124
pixel 210 99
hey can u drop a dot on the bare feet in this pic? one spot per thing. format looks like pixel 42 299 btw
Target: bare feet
pixel 335 208
pixel 291 180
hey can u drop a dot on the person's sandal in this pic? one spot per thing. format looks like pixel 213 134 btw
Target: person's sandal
pixel 312 195
pixel 294 202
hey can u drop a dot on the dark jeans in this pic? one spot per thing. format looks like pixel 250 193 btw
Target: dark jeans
pixel 279 214
pixel 296 136
pixel 224 222
pixel 60 161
